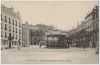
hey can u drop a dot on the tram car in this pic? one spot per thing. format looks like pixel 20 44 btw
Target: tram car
pixel 56 41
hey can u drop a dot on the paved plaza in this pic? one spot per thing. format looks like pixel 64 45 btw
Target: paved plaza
pixel 34 54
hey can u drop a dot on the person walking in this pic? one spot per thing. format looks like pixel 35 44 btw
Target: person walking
pixel 40 44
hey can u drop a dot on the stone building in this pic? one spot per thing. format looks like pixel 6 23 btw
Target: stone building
pixel 32 34
pixel 38 32
pixel 87 33
pixel 28 34
pixel 10 27
pixel 92 25
pixel 25 35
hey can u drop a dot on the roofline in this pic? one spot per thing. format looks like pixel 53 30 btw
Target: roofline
pixel 88 15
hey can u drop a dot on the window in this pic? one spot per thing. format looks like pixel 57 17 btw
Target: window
pixel 16 30
pixel 5 34
pixel 16 36
pixel 19 37
pixel 13 36
pixel 19 24
pixel 1 26
pixel 19 31
pixel 5 19
pixel 13 29
pixel 1 18
pixel 16 23
pixel 12 42
pixel 9 21
pixel 9 28
pixel 1 33
pixel 5 27
pixel 13 21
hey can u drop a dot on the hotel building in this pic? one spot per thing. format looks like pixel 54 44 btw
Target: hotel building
pixel 11 28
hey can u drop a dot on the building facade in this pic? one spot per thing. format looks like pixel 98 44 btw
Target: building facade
pixel 32 34
pixel 25 35
pixel 28 34
pixel 11 28
pixel 92 26
pixel 86 35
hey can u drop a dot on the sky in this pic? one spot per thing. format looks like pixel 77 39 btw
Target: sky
pixel 64 15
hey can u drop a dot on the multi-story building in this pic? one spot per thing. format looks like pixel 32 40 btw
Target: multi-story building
pixel 92 25
pixel 28 34
pixel 10 27
pixel 32 34
pixel 25 35
pixel 87 33
pixel 95 24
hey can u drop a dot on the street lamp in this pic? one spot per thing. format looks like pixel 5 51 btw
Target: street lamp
pixel 19 44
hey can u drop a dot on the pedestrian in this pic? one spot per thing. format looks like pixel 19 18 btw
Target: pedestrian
pixel 40 44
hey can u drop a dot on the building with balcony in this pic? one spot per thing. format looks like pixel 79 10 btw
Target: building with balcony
pixel 87 33
pixel 11 28
pixel 92 26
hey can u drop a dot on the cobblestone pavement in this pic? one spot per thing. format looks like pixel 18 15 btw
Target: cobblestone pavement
pixel 34 54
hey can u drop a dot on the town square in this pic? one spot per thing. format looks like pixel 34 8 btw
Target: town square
pixel 36 55
pixel 49 32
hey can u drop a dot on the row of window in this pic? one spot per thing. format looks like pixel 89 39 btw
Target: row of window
pixel 5 42
pixel 10 28
pixel 14 37
pixel 2 34
pixel 14 43
pixel 13 21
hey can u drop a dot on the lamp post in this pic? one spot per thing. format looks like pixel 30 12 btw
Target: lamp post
pixel 19 44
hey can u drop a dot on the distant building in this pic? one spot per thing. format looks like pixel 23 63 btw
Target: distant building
pixel 39 31
pixel 82 26
pixel 32 34
pixel 25 35
pixel 10 27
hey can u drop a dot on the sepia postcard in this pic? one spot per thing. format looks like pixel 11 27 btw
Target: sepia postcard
pixel 49 32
